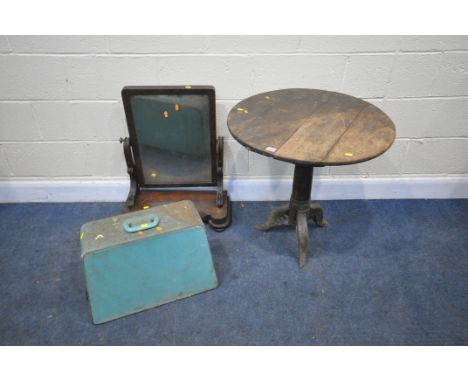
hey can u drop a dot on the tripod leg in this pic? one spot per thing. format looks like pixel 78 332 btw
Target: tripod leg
pixel 316 213
pixel 277 217
pixel 302 237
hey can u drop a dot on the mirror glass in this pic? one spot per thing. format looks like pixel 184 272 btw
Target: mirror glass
pixel 173 134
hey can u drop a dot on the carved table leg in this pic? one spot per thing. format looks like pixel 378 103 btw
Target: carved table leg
pixel 302 237
pixel 277 217
pixel 299 210
pixel 316 213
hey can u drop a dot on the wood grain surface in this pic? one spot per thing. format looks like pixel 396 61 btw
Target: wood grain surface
pixel 311 126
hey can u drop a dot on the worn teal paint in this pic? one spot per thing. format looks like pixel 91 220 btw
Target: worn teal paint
pixel 138 272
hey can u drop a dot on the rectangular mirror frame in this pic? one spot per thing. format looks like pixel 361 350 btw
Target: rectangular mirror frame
pixel 130 91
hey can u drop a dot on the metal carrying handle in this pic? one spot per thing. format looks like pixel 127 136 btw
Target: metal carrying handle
pixel 140 223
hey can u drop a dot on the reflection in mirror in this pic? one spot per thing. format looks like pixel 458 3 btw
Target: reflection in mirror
pixel 173 135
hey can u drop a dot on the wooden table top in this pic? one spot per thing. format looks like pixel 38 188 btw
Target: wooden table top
pixel 311 126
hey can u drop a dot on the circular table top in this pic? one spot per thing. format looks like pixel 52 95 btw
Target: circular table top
pixel 311 126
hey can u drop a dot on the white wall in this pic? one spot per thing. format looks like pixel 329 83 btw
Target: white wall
pixel 61 115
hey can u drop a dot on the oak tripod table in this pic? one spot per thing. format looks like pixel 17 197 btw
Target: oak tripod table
pixel 310 128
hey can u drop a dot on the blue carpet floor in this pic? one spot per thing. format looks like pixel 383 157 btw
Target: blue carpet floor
pixel 389 272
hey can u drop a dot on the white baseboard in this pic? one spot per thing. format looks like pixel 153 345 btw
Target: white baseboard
pixel 115 190
pixel 24 191
pixel 354 188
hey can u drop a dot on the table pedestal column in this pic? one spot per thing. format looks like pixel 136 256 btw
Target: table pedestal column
pixel 299 210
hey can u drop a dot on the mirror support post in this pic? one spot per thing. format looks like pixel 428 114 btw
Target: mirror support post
pixel 131 171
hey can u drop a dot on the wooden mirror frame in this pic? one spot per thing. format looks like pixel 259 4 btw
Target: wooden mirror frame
pixel 213 206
